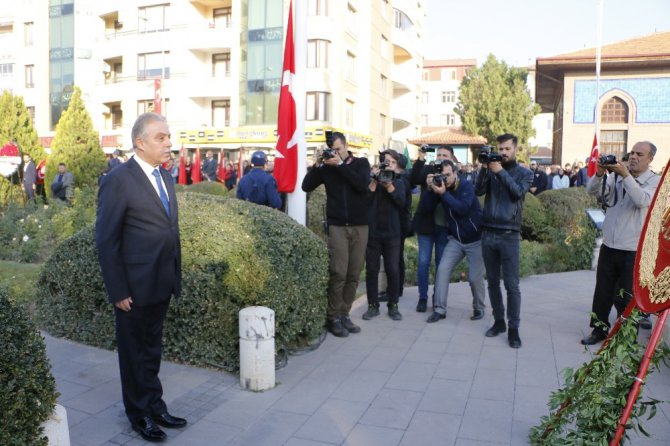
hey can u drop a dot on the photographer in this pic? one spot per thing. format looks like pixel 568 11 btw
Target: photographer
pixel 429 226
pixel 464 216
pixel 505 184
pixel 346 180
pixel 387 201
pixel 626 193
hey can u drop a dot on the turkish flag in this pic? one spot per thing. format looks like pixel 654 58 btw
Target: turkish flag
pixel 221 170
pixel 286 158
pixel 182 167
pixel 593 159
pixel 240 168
pixel 196 172
pixel 158 97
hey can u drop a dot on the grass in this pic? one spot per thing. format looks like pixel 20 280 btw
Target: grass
pixel 20 278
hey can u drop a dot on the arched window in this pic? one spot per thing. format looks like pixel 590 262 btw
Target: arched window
pixel 614 111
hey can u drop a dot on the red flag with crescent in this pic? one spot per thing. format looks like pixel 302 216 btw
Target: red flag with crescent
pixel 593 159
pixel 286 158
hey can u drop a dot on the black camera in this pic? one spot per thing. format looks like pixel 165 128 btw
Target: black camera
pixel 607 160
pixel 439 179
pixel 329 139
pixel 385 175
pixel 425 148
pixel 328 153
pixel 488 155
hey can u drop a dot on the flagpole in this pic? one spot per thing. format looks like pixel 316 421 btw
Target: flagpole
pixel 297 200
pixel 598 58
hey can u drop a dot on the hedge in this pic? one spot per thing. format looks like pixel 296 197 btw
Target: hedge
pixel 235 254
pixel 27 388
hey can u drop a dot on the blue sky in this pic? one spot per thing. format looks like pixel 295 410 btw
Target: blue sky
pixel 518 31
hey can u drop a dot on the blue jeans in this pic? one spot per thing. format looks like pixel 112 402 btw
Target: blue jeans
pixel 426 242
pixel 501 249
pixel 453 254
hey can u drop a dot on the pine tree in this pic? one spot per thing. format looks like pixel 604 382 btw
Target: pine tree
pixel 494 100
pixel 76 144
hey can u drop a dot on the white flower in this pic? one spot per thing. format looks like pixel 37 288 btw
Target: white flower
pixel 39 226
pixel 21 220
pixel 36 220
pixel 26 238
pixel 14 239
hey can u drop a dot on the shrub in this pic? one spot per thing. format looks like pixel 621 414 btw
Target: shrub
pixel 27 388
pixel 235 254
pixel 316 211
pixel 205 187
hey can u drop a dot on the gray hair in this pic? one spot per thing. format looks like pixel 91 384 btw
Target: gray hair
pixel 652 147
pixel 141 123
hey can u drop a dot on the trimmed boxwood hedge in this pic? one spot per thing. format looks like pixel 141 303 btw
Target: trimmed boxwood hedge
pixel 235 254
pixel 27 388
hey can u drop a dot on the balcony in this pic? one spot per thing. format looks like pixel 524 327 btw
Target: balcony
pixel 207 36
pixel 405 44
pixel 193 86
pixel 404 110
pixel 405 78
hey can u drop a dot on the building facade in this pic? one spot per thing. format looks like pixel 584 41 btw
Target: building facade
pixel 213 67
pixel 632 104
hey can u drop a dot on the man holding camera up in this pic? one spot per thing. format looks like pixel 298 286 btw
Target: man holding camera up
pixel 626 194
pixel 346 180
pixel 386 200
pixel 430 226
pixel 505 184
pixel 464 216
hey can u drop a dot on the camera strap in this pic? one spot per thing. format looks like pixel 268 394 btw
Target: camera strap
pixel 602 192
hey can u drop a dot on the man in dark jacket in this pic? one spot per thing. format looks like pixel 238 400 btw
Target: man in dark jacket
pixel 346 179
pixel 258 186
pixel 539 179
pixel 209 167
pixel 464 218
pixel 430 227
pixel 505 185
pixel 387 201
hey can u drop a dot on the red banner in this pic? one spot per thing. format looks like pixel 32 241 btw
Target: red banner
pixel 196 170
pixel 182 167
pixel 593 159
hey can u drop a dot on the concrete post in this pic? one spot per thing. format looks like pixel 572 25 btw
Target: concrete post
pixel 257 348
pixel 56 429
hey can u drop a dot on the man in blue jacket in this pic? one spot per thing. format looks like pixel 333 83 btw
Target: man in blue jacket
pixel 258 186
pixel 505 184
pixel 464 219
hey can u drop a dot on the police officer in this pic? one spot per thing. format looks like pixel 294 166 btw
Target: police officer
pixel 258 186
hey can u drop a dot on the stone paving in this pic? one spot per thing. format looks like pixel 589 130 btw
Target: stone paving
pixel 395 383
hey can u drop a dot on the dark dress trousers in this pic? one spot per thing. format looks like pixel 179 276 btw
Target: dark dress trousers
pixel 140 257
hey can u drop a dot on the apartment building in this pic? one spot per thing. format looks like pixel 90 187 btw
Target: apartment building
pixel 213 67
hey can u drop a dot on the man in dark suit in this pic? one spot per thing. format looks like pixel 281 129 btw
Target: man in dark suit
pixel 29 178
pixel 209 167
pixel 137 236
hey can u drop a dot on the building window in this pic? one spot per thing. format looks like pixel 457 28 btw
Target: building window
pixel 117 116
pixel 223 17
pixel 350 67
pixel 383 85
pixel 349 113
pixel 317 53
pixel 317 106
pixel 153 66
pixel 448 74
pixel 425 75
pixel 221 113
pixel 400 20
pixel 384 47
pixel 151 18
pixel 351 19
pixel 29 76
pixel 613 142
pixel 382 124
pixel 317 7
pixel 423 119
pixel 614 111
pixel 28 33
pixel 448 96
pixel 385 8
pixel 6 69
pixel 148 106
pixel 31 113
pixel 221 64
pixel 424 97
pixel 447 120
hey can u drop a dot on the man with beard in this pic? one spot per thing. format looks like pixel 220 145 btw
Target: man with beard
pixel 505 185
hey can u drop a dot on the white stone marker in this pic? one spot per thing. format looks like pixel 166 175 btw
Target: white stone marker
pixel 257 348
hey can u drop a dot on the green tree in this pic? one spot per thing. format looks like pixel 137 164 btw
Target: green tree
pixel 76 144
pixel 493 100
pixel 16 125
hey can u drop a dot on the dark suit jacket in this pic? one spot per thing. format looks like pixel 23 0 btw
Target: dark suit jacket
pixel 29 175
pixel 138 244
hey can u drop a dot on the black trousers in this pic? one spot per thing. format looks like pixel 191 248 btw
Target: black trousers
pixel 390 249
pixel 139 335
pixel 614 283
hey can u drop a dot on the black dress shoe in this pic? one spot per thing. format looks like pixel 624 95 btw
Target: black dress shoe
pixel 498 327
pixel 477 315
pixel 167 420
pixel 349 325
pixel 435 317
pixel 148 430
pixel 595 337
pixel 337 329
pixel 422 305
pixel 645 323
pixel 513 338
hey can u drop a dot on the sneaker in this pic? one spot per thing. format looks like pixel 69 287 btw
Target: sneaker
pixel 383 297
pixel 373 310
pixel 394 313
pixel 422 305
pixel 350 326
pixel 477 315
pixel 498 327
pixel 435 317
pixel 645 323
pixel 337 329
pixel 513 338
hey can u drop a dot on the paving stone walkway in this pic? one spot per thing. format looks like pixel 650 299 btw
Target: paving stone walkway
pixel 395 383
